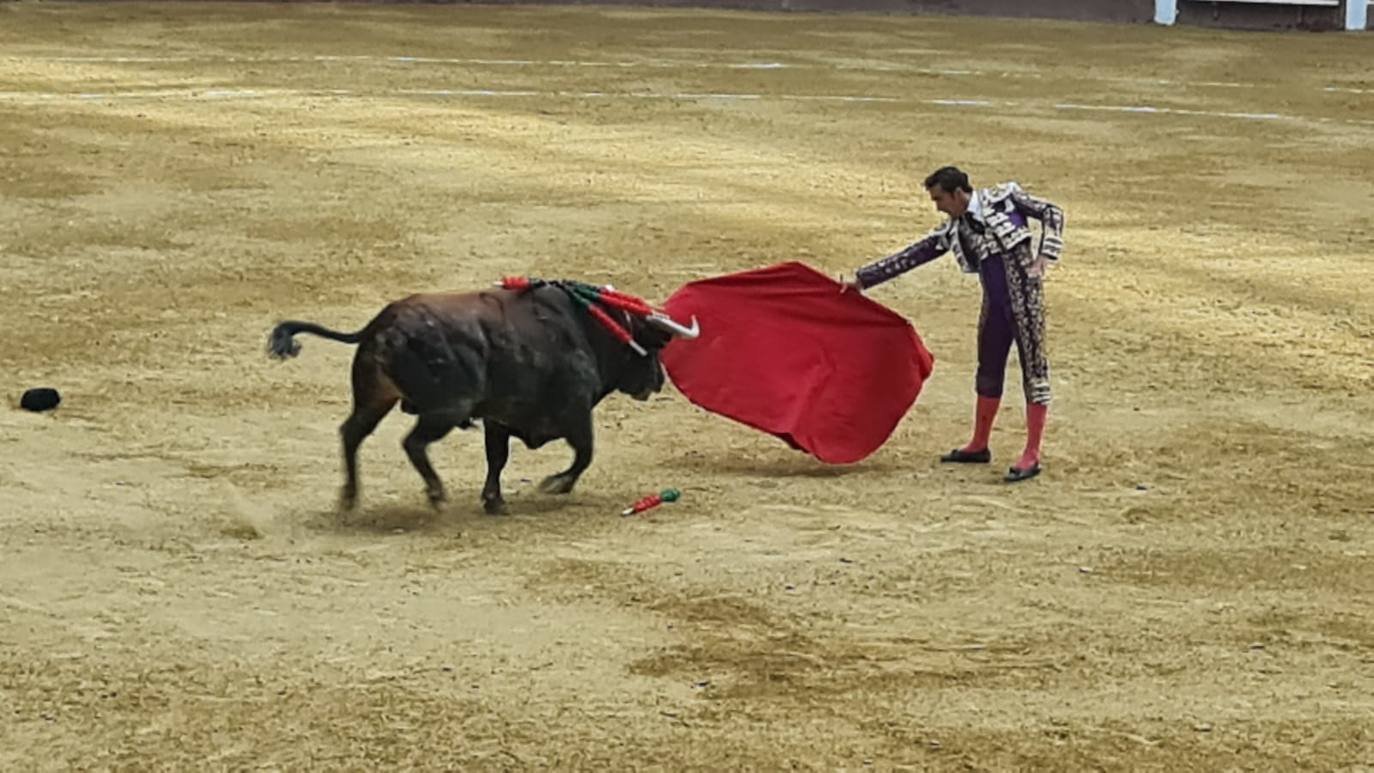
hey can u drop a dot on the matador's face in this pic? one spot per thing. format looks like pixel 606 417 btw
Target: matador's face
pixel 954 204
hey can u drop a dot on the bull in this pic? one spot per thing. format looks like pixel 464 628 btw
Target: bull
pixel 530 364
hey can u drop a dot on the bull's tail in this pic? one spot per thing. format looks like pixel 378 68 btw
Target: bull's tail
pixel 282 343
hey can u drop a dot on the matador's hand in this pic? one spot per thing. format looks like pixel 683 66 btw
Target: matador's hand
pixel 1038 266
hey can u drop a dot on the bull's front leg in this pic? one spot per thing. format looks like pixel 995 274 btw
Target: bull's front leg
pixel 579 436
pixel 498 453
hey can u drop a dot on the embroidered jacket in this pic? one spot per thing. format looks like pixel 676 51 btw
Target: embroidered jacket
pixel 995 224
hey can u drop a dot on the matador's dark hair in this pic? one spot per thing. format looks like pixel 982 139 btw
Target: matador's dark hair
pixel 950 179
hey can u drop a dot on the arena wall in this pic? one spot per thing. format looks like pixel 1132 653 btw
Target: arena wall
pixel 1079 10
pixel 1233 14
pixel 1264 15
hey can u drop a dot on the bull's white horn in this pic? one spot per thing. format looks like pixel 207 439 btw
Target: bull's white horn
pixel 676 328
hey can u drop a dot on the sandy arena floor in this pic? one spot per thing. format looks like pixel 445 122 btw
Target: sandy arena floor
pixel 1188 587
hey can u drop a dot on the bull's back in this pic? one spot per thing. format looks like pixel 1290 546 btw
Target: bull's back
pixel 532 315
pixel 500 348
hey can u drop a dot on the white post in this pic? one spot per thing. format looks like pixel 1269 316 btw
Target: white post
pixel 1356 14
pixel 1166 11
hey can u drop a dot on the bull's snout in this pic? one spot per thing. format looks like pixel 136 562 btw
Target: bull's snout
pixel 650 390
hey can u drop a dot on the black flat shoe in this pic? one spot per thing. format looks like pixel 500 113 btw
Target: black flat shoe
pixel 960 456
pixel 1016 474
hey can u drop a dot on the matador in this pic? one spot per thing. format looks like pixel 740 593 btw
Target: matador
pixel 988 230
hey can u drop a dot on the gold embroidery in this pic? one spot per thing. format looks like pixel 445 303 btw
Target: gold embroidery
pixel 1027 296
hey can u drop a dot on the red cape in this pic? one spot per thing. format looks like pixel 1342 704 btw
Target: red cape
pixel 783 351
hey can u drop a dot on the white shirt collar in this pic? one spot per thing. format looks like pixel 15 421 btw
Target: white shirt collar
pixel 975 207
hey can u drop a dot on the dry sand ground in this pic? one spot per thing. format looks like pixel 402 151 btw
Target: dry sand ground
pixel 1188 587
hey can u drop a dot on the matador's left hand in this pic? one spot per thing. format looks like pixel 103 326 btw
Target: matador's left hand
pixel 1038 266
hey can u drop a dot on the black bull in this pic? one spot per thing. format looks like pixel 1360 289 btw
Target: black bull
pixel 530 364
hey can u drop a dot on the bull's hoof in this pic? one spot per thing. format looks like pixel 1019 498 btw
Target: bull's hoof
pixel 557 484
pixel 437 498
pixel 348 500
pixel 494 506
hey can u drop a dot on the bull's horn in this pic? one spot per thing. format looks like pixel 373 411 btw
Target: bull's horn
pixel 676 328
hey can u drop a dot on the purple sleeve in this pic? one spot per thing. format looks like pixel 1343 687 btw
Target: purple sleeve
pixel 1051 217
pixel 924 251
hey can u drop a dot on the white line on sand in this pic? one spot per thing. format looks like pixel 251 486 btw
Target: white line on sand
pixel 227 93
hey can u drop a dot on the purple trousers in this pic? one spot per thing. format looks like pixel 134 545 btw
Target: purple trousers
pixel 1013 312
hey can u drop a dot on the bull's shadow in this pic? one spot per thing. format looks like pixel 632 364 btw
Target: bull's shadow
pixel 382 518
pixel 393 517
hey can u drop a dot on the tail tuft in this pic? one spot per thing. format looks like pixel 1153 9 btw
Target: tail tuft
pixel 282 343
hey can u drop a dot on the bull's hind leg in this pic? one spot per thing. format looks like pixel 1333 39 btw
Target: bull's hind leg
pixel 579 436
pixel 373 398
pixel 429 429
pixel 355 429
